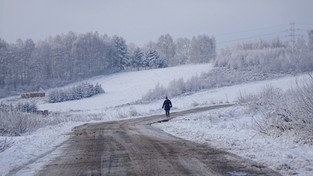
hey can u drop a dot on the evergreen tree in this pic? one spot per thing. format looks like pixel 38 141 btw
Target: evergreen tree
pixel 3 62
pixel 153 59
pixel 121 61
pixel 310 36
pixel 137 59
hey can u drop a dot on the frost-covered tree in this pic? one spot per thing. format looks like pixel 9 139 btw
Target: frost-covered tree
pixel 3 62
pixel 151 57
pixel 98 89
pixel 166 48
pixel 26 74
pixel 182 51
pixel 202 49
pixel 121 61
pixel 136 59
pixel 153 60
pixel 310 38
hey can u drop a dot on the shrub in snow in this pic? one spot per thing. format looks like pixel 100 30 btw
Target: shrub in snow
pixel 247 98
pixel 195 104
pixel 218 77
pixel 177 87
pixel 282 112
pixel 276 115
pixel 16 123
pixel 157 93
pixel 5 144
pixel 304 97
pixel 133 112
pixel 22 107
pixel 83 90
pixel 27 107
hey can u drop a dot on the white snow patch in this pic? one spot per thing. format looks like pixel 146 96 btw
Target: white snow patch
pixel 30 147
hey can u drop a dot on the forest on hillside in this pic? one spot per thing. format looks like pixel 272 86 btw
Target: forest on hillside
pixel 59 60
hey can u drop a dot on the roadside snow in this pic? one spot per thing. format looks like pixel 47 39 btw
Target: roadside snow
pixel 30 147
pixel 232 130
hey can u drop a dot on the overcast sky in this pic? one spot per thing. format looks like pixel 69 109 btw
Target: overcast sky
pixel 140 21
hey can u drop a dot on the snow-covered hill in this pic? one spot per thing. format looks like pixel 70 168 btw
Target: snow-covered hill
pixel 123 88
pixel 227 129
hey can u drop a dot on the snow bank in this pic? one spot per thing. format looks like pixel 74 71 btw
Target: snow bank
pixel 33 146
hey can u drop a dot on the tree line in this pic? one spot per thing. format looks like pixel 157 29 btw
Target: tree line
pixel 29 66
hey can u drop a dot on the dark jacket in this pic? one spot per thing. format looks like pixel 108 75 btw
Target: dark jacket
pixel 167 105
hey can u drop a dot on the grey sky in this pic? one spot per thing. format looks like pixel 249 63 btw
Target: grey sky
pixel 140 21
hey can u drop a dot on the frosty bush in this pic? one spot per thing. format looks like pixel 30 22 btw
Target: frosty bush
pixel 133 112
pixel 276 118
pixel 289 111
pixel 83 90
pixel 22 107
pixel 218 77
pixel 18 119
pixel 27 107
pixel 304 100
pixel 247 98
pixel 157 93
pixel 4 144
pixel 15 123
pixel 177 87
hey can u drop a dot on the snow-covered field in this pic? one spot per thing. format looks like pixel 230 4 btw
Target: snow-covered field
pixel 229 129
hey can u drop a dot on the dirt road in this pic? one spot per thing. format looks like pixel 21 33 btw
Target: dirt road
pixel 134 147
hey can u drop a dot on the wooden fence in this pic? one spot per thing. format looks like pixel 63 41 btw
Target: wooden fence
pixel 32 95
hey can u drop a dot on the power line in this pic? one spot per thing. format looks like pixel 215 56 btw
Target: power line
pixel 251 30
pixel 289 34
pixel 251 37
pixel 292 35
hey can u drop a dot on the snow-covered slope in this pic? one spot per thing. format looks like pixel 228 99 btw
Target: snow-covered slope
pixel 123 88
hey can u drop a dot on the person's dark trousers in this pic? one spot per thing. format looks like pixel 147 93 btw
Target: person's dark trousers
pixel 167 113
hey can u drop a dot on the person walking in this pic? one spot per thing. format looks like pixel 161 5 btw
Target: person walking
pixel 167 106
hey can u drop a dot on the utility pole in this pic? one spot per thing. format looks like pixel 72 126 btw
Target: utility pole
pixel 292 35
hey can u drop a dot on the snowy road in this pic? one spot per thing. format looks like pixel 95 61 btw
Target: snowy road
pixel 134 147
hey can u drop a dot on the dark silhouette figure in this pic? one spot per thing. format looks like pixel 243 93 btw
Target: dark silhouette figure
pixel 167 106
